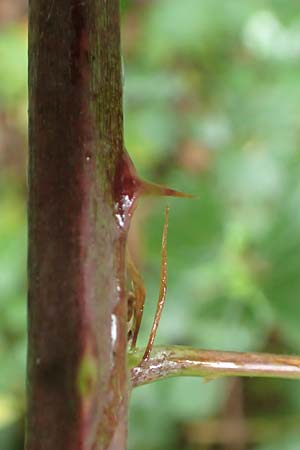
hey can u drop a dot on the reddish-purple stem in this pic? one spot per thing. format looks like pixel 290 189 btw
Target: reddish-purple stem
pixel 77 312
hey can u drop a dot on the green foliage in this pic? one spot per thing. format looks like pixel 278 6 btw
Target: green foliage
pixel 13 67
pixel 212 108
pixel 13 310
pixel 217 82
pixel 13 99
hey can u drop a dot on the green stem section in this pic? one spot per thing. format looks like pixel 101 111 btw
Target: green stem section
pixel 175 361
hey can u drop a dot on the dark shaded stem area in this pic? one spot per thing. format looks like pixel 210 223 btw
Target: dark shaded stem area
pixel 174 361
pixel 77 364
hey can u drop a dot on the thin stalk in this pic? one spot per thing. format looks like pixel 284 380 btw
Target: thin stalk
pixel 179 361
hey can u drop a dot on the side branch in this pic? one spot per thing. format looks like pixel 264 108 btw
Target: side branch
pixel 174 361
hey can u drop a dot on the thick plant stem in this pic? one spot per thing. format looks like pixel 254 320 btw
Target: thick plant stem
pixel 174 361
pixel 77 312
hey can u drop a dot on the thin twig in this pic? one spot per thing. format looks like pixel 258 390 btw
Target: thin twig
pixel 173 361
pixel 162 291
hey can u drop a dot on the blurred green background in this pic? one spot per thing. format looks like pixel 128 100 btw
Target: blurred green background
pixel 212 107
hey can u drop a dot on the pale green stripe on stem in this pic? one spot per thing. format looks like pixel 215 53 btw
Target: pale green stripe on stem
pixel 174 361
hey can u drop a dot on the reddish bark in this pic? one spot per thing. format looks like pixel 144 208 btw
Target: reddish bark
pixel 77 372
